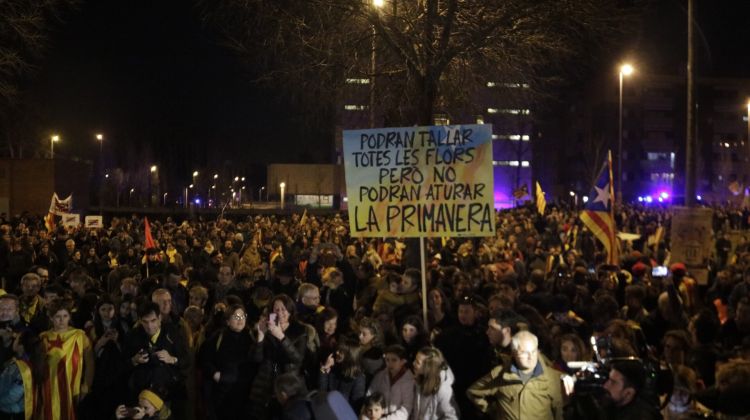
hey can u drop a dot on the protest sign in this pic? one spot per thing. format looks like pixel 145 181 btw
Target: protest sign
pixel 94 222
pixel 692 239
pixel 71 219
pixel 430 181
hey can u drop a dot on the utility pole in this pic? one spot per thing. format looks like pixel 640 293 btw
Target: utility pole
pixel 690 146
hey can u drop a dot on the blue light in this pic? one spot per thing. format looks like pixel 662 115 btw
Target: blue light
pixel 197 201
pixel 640 199
pixel 664 195
pixel 699 197
pixel 661 200
pixel 649 199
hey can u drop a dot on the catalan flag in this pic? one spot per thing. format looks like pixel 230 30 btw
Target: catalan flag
pixel 598 215
pixel 65 358
pixel 541 203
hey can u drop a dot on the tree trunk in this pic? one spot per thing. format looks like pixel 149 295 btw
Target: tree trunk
pixel 426 103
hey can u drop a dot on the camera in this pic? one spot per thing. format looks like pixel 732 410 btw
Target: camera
pixel 591 376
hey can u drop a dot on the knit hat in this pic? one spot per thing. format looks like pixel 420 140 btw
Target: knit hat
pixel 639 268
pixel 152 398
pixel 678 268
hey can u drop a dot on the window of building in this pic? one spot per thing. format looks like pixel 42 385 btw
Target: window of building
pixel 355 107
pixel 353 81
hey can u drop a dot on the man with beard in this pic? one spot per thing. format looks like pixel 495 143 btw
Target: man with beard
pixel 623 399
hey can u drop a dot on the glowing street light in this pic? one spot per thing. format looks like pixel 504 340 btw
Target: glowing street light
pixel 625 70
pixel 52 140
pixel 260 193
pixel 282 186
pixel 153 168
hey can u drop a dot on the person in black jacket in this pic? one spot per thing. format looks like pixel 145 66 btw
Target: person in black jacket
pixel 227 369
pixel 156 354
pixel 342 372
pixel 281 348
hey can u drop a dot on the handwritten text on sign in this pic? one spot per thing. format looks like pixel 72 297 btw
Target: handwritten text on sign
pixel 420 181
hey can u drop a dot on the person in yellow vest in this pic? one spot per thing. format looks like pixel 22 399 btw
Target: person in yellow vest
pixel 70 360
pixel 22 376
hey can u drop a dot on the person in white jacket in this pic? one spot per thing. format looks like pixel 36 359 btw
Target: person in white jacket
pixel 433 394
pixel 395 383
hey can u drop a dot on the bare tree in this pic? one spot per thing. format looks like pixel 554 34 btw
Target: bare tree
pixel 432 55
pixel 25 26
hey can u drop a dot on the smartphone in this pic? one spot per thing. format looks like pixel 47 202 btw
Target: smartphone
pixel 272 318
pixel 660 271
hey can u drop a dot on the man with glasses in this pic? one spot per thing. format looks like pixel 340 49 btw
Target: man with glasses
pixel 523 386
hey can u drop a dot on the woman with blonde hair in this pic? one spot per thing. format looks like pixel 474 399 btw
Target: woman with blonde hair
pixel 433 396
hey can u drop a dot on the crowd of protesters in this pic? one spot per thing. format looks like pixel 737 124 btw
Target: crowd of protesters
pixel 259 317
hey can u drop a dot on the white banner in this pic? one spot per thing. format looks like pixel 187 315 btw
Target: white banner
pixel 71 219
pixel 94 222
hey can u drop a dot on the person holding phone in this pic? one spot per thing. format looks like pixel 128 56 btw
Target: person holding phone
pixel 281 344
pixel 150 406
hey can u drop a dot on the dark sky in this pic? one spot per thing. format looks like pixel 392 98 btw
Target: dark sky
pixel 162 89
pixel 148 76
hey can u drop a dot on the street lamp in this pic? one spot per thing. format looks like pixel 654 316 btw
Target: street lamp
pixel 260 193
pixel 377 5
pixel 625 70
pixel 164 199
pixel 282 186
pixel 130 197
pixel 216 176
pixel 52 140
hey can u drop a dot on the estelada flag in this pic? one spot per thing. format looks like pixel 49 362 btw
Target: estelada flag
pixel 65 359
pixel 147 231
pixel 541 202
pixel 598 215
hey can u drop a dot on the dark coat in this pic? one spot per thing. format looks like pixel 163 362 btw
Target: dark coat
pixel 353 389
pixel 156 374
pixel 229 353
pixel 276 357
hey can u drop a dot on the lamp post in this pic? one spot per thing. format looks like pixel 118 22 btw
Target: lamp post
pixel 282 186
pixel 130 197
pixel 260 193
pixel 164 199
pixel 625 70
pixel 377 5
pixel 154 174
pixel 52 140
pixel 100 138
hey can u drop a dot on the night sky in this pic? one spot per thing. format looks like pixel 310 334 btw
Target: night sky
pixel 162 89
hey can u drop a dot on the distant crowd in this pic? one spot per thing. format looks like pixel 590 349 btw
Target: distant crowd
pixel 290 317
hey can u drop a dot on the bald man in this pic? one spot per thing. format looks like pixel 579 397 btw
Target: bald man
pixel 523 386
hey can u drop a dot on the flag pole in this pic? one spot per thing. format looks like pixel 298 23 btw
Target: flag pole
pixel 614 258
pixel 424 279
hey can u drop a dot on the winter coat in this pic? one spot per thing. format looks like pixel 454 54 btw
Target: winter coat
pixel 276 357
pixel 400 394
pixel 353 389
pixel 439 406
pixel 502 394
pixel 229 353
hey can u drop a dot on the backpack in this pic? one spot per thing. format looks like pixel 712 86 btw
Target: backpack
pixel 329 406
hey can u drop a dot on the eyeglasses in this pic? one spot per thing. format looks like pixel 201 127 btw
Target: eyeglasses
pixel 239 317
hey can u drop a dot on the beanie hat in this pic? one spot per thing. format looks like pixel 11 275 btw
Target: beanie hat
pixel 152 398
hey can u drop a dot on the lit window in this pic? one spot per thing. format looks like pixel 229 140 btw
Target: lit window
pixel 492 110
pixel 355 107
pixel 515 137
pixel 524 164
pixel 525 137
pixel 491 84
pixel 480 120
pixel 357 81
pixel 515 111
pixel 495 137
